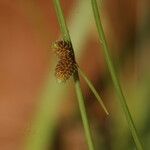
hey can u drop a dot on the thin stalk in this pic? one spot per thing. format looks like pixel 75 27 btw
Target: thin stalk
pixel 113 73
pixel 93 90
pixel 66 36
pixel 83 112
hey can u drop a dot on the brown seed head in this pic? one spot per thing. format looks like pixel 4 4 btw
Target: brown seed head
pixel 66 65
pixel 65 69
pixel 63 49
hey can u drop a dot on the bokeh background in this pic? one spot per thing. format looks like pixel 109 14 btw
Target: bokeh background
pixel 27 82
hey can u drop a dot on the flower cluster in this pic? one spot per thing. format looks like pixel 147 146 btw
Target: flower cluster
pixel 66 65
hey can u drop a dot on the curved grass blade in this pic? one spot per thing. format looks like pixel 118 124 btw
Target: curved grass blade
pixel 114 76
pixel 91 86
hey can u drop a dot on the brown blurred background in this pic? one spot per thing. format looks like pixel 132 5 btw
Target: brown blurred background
pixel 27 29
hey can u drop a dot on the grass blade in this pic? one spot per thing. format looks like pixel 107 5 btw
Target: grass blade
pixel 94 91
pixel 116 82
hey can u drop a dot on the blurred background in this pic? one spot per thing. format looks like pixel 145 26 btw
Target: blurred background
pixel 29 92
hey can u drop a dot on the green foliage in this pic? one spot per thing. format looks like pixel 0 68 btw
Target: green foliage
pixel 114 75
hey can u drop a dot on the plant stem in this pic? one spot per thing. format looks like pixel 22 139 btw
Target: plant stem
pixel 66 36
pixel 83 112
pixel 113 73
pixel 61 20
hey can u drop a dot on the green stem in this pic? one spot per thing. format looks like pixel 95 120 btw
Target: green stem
pixel 83 112
pixel 93 90
pixel 61 20
pixel 114 75
pixel 66 36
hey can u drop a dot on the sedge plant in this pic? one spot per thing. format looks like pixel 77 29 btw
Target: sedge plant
pixel 66 37
pixel 44 124
pixel 80 97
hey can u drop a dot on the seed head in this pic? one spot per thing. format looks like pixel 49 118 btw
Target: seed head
pixel 66 65
pixel 63 49
pixel 65 69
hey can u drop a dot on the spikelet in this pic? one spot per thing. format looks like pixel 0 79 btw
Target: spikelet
pixel 66 65
pixel 64 70
pixel 63 49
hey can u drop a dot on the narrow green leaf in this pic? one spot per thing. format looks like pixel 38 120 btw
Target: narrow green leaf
pixel 91 86
pixel 113 73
